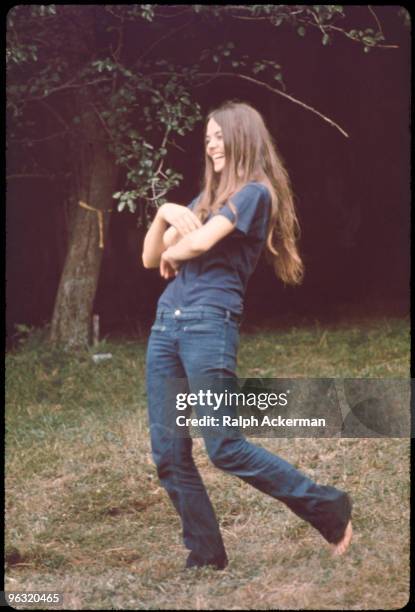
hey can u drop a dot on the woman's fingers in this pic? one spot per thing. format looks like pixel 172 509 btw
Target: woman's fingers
pixel 187 223
pixel 196 222
pixel 193 221
pixel 161 268
pixel 167 270
pixel 164 273
pixel 180 217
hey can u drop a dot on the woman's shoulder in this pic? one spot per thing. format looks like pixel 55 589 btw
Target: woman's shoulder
pixel 255 187
pixel 195 201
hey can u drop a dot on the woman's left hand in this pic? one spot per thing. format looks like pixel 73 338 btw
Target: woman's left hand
pixel 169 267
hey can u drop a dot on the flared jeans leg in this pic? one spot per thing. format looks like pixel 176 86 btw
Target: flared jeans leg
pixel 324 507
pixel 172 454
pixel 194 348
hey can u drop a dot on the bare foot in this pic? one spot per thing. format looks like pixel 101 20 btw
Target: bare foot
pixel 341 547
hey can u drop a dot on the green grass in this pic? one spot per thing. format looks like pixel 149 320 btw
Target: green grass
pixel 85 514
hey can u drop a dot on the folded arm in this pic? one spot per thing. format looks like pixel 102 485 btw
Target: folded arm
pixel 153 242
pixel 171 236
pixel 159 238
pixel 194 244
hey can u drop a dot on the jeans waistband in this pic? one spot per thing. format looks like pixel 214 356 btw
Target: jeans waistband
pixel 196 312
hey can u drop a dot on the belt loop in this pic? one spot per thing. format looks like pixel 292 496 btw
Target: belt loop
pixel 228 315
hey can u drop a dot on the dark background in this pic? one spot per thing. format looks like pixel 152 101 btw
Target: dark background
pixel 352 194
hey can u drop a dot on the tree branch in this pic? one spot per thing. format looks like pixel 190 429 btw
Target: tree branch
pixel 19 176
pixel 163 144
pixel 175 14
pixel 27 139
pixel 104 125
pixel 116 54
pixel 55 113
pixel 357 40
pixel 262 84
pixel 68 85
pixel 376 19
pixel 171 33
pixel 324 27
pixel 291 98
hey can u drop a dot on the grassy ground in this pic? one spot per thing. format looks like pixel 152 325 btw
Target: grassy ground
pixel 85 514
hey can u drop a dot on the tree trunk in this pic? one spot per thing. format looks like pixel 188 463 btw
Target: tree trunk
pixel 96 175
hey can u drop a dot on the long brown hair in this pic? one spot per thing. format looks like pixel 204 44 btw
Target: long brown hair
pixel 251 155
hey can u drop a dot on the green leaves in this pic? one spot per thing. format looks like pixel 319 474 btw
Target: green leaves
pixel 141 131
pixel 258 67
pixel 22 54
pixel 43 10
pixel 105 64
pixel 218 53
pixel 368 37
pixel 143 96
pixel 405 16
pixel 269 70
pixel 126 199
pixel 147 11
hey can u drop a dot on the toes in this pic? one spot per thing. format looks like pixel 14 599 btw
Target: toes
pixel 343 545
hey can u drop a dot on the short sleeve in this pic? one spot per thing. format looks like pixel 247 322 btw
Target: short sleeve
pixel 193 203
pixel 250 202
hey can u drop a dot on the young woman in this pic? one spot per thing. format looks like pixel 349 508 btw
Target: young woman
pixel 210 249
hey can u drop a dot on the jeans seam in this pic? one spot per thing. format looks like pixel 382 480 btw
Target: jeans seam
pixel 225 339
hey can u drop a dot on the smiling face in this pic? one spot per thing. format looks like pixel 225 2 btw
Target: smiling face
pixel 215 148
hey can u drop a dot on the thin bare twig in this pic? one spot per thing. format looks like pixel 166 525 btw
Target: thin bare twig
pixel 116 54
pixel 158 196
pixel 175 14
pixel 163 144
pixel 104 125
pixel 318 22
pixel 215 74
pixel 19 176
pixel 332 27
pixel 174 144
pixel 171 33
pixel 27 139
pixel 273 89
pixel 68 86
pixel 376 19
pixel 264 17
pixel 291 98
pixel 55 113
pixel 337 29
pixel 259 18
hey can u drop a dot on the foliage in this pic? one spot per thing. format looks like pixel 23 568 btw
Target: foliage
pixel 116 55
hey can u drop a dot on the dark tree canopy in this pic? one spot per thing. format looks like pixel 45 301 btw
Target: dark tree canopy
pixel 100 92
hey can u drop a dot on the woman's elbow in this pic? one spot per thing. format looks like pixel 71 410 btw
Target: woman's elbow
pixel 148 262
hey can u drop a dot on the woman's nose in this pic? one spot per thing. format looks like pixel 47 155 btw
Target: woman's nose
pixel 212 145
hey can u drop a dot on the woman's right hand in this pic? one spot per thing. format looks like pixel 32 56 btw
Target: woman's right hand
pixel 180 217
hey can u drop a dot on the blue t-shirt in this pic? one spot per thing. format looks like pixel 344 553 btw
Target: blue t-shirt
pixel 219 276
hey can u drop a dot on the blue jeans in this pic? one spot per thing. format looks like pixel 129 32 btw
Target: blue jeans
pixel 187 343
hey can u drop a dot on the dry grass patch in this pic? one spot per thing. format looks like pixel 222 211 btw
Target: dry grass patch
pixel 85 514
